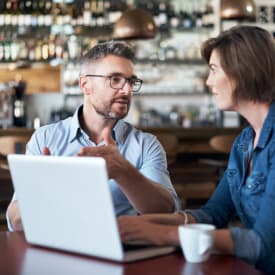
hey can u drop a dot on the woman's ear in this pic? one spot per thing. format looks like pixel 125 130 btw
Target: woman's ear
pixel 84 85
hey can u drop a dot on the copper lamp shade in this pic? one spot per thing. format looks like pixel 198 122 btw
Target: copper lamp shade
pixel 238 9
pixel 135 24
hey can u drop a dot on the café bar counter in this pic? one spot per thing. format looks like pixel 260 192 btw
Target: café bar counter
pixel 189 139
pixel 19 258
pixel 192 144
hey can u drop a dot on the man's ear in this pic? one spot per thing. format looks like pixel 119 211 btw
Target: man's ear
pixel 83 85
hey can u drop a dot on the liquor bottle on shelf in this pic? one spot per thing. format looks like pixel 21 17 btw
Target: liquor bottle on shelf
pixel 21 16
pixel 19 112
pixel 173 17
pixel 100 13
pixel 45 49
pixel 23 50
pixel 41 13
pixel 2 12
pixel 187 21
pixel 51 47
pixel 163 17
pixel 7 13
pixel 14 13
pixel 28 6
pixel 94 13
pixel 41 5
pixel 38 50
pixel 34 13
pixel 198 14
pixel 2 6
pixel 14 48
pixel 48 20
pixel 263 14
pixel 87 13
pixel 208 16
pixel 7 47
pixel 115 11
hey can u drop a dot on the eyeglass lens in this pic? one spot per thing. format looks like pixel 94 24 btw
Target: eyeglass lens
pixel 118 82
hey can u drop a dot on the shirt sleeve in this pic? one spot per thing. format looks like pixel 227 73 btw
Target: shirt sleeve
pixel 154 167
pixel 31 149
pixel 7 217
pixel 246 244
pixel 219 209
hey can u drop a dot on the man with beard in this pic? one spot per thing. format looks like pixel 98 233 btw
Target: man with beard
pixel 136 161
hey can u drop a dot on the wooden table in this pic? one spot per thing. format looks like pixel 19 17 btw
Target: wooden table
pixel 17 257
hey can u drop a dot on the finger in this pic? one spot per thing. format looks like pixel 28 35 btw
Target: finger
pixel 46 151
pixel 107 136
pixel 91 151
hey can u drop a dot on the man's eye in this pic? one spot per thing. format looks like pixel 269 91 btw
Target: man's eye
pixel 133 81
pixel 116 79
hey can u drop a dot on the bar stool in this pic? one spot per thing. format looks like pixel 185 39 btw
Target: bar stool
pixel 170 146
pixel 8 145
pixel 222 143
pixel 11 145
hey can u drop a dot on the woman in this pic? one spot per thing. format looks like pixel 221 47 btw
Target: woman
pixel 242 79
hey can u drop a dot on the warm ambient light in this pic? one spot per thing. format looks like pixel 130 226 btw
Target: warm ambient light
pixel 135 24
pixel 238 9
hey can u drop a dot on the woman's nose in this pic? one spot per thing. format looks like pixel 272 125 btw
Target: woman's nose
pixel 208 81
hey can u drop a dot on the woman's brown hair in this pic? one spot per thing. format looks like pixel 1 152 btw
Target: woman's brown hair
pixel 247 56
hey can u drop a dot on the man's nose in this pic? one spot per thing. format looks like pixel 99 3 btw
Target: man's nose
pixel 127 88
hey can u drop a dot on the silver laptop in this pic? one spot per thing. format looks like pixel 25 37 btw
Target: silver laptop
pixel 66 203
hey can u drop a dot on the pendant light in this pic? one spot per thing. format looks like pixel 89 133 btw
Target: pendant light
pixel 238 10
pixel 135 24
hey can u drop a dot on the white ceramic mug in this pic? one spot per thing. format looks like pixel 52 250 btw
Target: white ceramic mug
pixel 196 241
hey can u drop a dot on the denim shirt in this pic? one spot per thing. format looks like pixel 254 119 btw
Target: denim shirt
pixel 251 197
pixel 141 149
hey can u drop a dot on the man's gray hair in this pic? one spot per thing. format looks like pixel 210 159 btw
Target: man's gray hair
pixel 101 50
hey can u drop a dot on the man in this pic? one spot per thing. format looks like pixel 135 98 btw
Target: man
pixel 135 160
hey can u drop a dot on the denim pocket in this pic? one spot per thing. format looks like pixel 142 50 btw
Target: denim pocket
pixel 255 184
pixel 252 194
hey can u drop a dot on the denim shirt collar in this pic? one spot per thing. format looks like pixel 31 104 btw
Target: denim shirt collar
pixel 267 127
pixel 118 133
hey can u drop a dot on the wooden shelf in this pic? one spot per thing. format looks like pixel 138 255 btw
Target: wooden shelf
pixel 43 78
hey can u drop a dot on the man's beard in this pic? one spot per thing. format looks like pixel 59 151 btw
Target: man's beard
pixel 108 114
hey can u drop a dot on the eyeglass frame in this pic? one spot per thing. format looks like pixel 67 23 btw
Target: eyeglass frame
pixel 127 79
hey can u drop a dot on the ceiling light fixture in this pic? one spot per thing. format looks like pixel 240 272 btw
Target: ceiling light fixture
pixel 238 10
pixel 135 24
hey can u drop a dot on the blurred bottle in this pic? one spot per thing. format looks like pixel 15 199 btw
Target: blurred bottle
pixel 19 112
pixel 5 105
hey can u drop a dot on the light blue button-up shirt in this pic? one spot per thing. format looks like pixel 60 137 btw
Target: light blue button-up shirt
pixel 142 150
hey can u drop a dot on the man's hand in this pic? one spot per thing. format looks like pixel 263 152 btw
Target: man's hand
pixel 138 228
pixel 145 195
pixel 46 151
pixel 114 160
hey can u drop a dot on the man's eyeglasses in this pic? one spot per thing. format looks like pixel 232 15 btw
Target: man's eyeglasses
pixel 118 81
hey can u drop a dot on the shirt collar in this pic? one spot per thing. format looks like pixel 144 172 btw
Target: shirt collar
pixel 75 128
pixel 119 131
pixel 267 126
